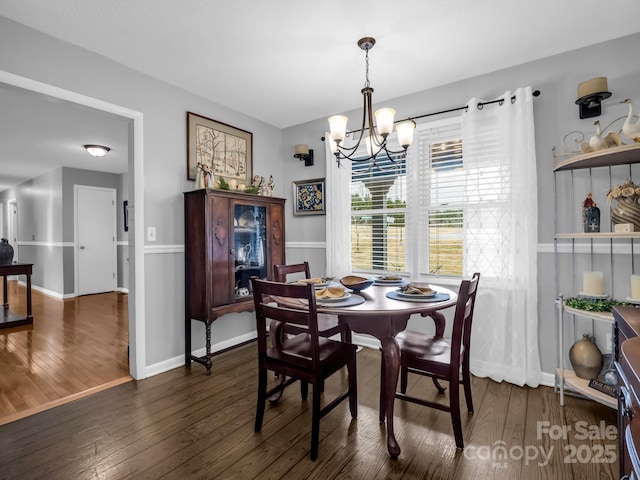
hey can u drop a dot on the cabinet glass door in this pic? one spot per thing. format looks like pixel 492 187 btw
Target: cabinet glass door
pixel 250 245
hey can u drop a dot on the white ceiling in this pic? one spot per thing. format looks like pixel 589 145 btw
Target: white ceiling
pixel 290 61
pixel 39 133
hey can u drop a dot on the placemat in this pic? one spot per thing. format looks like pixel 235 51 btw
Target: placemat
pixel 438 297
pixel 347 302
pixel 391 283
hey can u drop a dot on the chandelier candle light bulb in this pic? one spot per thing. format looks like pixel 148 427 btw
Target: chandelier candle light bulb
pixel 384 120
pixel 593 283
pixel 338 127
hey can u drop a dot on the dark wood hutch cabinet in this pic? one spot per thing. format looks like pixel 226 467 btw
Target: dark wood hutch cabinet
pixel 229 237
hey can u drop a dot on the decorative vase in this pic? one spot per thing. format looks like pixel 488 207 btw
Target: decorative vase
pixel 626 210
pixel 6 252
pixel 586 358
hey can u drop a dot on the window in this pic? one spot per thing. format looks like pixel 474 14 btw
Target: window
pixel 408 215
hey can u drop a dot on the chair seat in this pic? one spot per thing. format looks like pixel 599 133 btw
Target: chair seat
pixel 417 346
pixel 297 349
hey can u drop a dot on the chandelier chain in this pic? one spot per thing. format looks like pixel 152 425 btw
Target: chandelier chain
pixel 366 59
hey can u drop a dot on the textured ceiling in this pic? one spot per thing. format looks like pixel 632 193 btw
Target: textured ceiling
pixel 290 61
pixel 287 62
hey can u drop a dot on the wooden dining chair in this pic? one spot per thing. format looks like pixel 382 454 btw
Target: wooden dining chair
pixel 328 325
pixel 307 356
pixel 442 358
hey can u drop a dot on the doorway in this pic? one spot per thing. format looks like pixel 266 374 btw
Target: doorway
pixel 136 305
pixel 95 227
pixel 13 227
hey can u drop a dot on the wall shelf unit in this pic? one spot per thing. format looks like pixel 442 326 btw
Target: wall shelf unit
pixel 575 252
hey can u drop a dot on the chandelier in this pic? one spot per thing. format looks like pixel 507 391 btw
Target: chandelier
pixel 375 139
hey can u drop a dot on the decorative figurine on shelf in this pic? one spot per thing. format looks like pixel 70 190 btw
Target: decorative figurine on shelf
pixel 630 129
pixel 199 177
pixel 600 141
pixel 207 174
pixel 593 219
pixel 204 176
pixel 256 181
pixel 271 185
pixel 263 188
pixel 586 205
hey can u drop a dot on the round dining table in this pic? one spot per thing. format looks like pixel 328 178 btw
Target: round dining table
pixel 383 318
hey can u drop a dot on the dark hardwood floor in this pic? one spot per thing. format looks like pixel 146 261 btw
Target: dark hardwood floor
pixel 74 348
pixel 183 424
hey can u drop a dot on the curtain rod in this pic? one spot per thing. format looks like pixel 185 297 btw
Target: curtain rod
pixel 535 93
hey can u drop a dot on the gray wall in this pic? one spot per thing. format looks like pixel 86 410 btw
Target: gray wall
pixel 28 53
pixel 46 225
pixel 555 113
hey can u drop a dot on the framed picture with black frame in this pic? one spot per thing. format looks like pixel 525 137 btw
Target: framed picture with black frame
pixel 309 197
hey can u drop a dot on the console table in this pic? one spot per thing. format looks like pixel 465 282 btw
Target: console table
pixel 8 318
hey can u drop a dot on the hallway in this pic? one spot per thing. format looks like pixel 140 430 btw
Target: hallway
pixel 73 349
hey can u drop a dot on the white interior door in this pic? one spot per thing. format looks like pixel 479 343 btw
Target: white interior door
pixel 95 239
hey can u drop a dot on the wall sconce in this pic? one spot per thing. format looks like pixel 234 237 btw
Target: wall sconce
pixel 303 153
pixel 97 150
pixel 590 94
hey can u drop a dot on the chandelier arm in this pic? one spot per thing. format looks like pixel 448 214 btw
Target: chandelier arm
pixel 342 148
pixel 350 156
pixel 394 152
pixel 340 155
pixel 368 113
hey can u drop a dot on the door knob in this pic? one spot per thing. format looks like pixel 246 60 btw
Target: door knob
pixel 81 247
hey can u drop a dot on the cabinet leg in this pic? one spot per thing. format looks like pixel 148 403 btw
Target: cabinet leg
pixel 187 341
pixel 208 353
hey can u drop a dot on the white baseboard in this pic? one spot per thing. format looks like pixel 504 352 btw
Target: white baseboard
pixel 58 295
pixel 178 361
pixel 48 293
pixel 548 379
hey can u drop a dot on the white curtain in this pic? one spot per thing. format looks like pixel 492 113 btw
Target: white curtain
pixel 338 215
pixel 501 218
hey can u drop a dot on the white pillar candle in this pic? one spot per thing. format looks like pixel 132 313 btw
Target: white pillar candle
pixel 233 184
pixel 593 283
pixel 635 287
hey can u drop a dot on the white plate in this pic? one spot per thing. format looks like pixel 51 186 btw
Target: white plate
pixel 588 295
pixel 247 220
pixel 384 280
pixel 416 295
pixel 333 300
pixel 317 285
pixel 632 300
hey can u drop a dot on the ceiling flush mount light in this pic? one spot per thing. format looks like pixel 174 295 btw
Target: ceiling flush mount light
pixel 304 153
pixel 373 136
pixel 590 94
pixel 97 150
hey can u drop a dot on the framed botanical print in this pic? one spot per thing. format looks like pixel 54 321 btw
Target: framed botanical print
pixel 308 197
pixel 221 149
